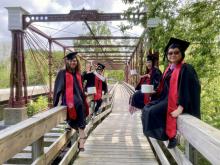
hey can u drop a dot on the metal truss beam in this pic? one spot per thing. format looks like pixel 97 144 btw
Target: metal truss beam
pixel 97 46
pixel 95 52
pixel 96 37
pixel 80 15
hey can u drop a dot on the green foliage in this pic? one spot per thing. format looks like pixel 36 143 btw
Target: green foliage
pixel 199 23
pixel 114 75
pixel 34 107
pixel 36 67
pixel 4 73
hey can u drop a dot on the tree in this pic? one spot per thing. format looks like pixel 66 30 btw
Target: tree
pixel 197 22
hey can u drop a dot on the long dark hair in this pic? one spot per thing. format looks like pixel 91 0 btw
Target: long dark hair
pixel 78 66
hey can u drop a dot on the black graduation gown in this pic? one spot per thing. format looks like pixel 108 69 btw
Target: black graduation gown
pixel 137 99
pixel 90 82
pixel 59 90
pixel 154 114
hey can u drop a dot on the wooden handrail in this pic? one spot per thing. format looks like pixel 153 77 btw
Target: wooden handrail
pixel 203 137
pixel 31 131
pixel 14 138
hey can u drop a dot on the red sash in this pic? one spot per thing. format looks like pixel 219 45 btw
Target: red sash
pixel 70 95
pixel 172 101
pixel 146 95
pixel 98 85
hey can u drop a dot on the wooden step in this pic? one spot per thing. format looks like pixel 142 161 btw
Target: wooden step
pixel 21 158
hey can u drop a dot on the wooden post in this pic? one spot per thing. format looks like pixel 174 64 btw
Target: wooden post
pixel 37 148
pixel 191 153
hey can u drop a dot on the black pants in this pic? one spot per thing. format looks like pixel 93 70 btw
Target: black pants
pixel 98 104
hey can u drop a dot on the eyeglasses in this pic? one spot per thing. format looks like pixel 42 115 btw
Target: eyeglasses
pixel 174 52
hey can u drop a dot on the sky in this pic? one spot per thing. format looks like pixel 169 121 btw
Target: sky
pixel 58 7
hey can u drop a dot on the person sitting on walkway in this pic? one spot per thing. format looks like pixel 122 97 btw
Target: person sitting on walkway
pixel 179 92
pixel 95 79
pixel 68 84
pixel 152 77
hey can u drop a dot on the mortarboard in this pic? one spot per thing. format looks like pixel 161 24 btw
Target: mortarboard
pixel 150 58
pixel 71 55
pixel 100 66
pixel 176 43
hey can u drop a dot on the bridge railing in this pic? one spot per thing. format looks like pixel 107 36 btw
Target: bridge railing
pixel 31 132
pixel 198 136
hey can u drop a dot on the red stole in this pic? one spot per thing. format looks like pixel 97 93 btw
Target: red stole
pixel 148 81
pixel 172 101
pixel 70 94
pixel 98 85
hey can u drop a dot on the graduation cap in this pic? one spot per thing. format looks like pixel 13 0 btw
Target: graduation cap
pixel 150 58
pixel 176 43
pixel 71 56
pixel 100 66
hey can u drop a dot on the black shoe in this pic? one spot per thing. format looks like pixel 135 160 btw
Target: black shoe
pixel 172 143
pixel 68 128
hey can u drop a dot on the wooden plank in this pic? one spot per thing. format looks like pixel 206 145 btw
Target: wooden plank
pixel 159 151
pixel 51 137
pixel 72 151
pixel 118 156
pixel 55 148
pixel 40 160
pixel 69 155
pixel 28 131
pixel 178 155
pixel 205 138
pixel 38 148
pixel 113 162
pixel 118 140
pixel 100 160
pixel 100 116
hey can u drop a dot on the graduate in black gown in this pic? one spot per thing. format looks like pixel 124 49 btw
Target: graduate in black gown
pixel 179 92
pixel 68 85
pixel 95 79
pixel 152 77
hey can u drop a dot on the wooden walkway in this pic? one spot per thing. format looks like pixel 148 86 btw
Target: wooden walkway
pixel 118 139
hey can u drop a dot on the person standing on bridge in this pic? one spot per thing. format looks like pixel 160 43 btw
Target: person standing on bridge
pixel 152 77
pixel 96 80
pixel 68 84
pixel 178 92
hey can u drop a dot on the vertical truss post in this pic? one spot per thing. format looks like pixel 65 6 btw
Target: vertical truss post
pixel 18 77
pixel 133 65
pixel 50 74
pixel 141 59
pixel 18 96
pixel 126 73
pixel 137 65
pixel 64 52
